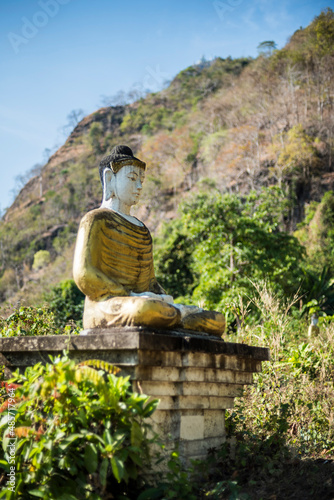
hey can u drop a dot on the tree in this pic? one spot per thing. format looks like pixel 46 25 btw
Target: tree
pixel 316 232
pixel 118 99
pixel 297 155
pixel 95 135
pixel 266 48
pixel 221 243
pixel 22 179
pixel 87 427
pixel 73 118
pixel 41 259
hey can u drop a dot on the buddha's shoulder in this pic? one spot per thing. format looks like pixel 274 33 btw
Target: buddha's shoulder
pixel 109 219
pixel 99 216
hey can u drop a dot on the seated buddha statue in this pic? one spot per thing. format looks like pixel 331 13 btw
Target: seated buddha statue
pixel 113 261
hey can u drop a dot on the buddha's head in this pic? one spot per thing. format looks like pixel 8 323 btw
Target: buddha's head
pixel 122 176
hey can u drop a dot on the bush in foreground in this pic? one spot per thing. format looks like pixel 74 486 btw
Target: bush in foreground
pixel 81 433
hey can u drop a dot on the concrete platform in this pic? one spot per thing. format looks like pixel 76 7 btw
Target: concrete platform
pixel 194 375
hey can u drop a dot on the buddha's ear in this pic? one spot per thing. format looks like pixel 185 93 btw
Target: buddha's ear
pixel 108 184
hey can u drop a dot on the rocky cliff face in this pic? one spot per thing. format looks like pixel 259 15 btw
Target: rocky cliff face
pixel 231 125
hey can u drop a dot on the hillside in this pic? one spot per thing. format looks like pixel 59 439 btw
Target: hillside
pixel 228 125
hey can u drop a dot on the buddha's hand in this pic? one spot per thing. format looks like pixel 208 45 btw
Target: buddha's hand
pixel 165 298
pixel 187 310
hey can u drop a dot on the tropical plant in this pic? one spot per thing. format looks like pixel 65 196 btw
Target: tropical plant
pixel 81 432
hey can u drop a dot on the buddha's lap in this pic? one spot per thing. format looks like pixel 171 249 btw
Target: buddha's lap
pixel 138 306
pixel 147 311
pixel 127 311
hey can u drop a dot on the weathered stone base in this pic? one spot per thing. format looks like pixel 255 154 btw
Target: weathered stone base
pixel 195 376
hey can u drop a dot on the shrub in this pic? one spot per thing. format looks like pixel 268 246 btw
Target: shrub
pixel 66 304
pixel 291 403
pixel 81 432
pixel 95 136
pixel 8 284
pixel 41 259
pixel 28 321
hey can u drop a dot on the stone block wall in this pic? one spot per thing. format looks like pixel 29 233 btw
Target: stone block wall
pixel 195 376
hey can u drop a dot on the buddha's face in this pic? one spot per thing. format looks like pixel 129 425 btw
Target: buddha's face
pixel 128 184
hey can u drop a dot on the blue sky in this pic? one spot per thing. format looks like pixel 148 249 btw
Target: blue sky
pixel 60 55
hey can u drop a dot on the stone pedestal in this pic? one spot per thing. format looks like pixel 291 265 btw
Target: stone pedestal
pixel 195 376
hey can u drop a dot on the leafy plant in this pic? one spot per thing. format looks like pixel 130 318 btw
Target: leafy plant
pixel 180 482
pixel 303 359
pixel 66 303
pixel 28 321
pixel 220 243
pixel 41 259
pixel 81 432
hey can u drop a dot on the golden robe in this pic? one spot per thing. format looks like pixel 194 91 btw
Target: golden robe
pixel 113 258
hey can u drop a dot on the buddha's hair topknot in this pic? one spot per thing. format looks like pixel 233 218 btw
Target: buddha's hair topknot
pixel 119 157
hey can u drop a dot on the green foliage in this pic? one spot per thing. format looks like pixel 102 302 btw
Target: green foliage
pixel 190 86
pixel 66 303
pixel 303 359
pixel 149 116
pixel 282 423
pixel 29 321
pixel 220 243
pixel 41 259
pixel 180 483
pixel 288 407
pixel 292 399
pixel 196 82
pixel 62 315
pixel 318 292
pixel 309 48
pixel 266 48
pixel 82 432
pixel 298 158
pixel 316 41
pixel 316 232
pixel 95 136
pixel 174 266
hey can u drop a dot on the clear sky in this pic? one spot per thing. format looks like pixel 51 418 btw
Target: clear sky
pixel 60 55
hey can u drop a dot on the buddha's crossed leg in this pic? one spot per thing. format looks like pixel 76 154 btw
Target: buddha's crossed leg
pixel 150 312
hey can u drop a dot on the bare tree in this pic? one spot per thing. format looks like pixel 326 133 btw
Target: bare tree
pixel 122 98
pixel 73 118
pixel 118 99
pixel 22 179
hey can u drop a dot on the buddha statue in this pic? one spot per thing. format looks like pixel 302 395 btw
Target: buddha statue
pixel 113 261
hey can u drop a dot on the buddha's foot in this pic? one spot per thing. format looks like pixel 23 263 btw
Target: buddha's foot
pixel 205 321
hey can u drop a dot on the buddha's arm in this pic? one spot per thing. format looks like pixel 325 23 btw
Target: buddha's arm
pixel 154 286
pixel 91 281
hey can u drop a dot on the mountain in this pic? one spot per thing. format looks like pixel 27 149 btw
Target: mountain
pixel 234 125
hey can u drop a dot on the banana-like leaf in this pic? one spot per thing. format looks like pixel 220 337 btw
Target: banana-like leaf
pixel 101 365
